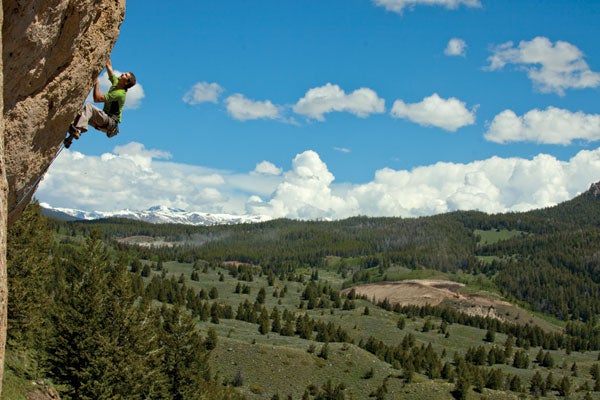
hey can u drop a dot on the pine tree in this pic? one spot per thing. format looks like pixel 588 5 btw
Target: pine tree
pixel 263 322
pixel 401 322
pixel 276 324
pixel 324 353
pixel 260 297
pixel 515 384
pixel 185 359
pixel 536 386
pixel 29 269
pixel 490 336
pixel 461 388
pixel 549 385
pixel 102 349
pixel 564 386
pixel 212 339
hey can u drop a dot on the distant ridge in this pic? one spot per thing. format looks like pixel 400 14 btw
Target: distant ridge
pixel 155 215
pixel 583 209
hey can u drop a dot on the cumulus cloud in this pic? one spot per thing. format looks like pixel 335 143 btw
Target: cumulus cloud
pixel 553 67
pixel 305 192
pixel 398 6
pixel 267 168
pixel 492 185
pixel 449 114
pixel 243 109
pixel 134 94
pixel 549 126
pixel 203 92
pixel 329 98
pixel 133 177
pixel 456 47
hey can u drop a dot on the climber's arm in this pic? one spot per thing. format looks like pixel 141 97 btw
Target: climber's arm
pixel 109 70
pixel 98 97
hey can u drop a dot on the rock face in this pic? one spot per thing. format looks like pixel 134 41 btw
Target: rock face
pixel 52 50
pixel 594 189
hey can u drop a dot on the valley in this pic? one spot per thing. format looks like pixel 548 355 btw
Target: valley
pixel 461 305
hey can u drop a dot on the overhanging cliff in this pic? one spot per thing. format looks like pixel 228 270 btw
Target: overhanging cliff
pixel 52 50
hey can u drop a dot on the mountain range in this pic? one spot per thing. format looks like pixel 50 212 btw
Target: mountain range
pixel 155 215
pixel 167 215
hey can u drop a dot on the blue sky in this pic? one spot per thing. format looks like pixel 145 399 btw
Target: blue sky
pixel 326 109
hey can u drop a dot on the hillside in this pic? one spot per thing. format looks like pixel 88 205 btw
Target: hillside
pixel 461 304
pixel 558 242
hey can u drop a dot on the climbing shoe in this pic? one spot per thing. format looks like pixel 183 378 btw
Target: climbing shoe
pixel 67 142
pixel 74 131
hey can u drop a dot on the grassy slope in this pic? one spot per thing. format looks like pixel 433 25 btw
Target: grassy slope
pixel 276 364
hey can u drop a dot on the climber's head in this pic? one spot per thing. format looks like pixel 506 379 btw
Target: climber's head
pixel 127 80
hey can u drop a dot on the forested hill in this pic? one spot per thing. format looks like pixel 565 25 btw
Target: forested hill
pixel 549 259
pixel 581 211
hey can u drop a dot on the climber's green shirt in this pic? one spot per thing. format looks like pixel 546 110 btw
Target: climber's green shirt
pixel 115 100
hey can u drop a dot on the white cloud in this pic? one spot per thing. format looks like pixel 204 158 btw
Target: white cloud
pixel 305 192
pixel 449 114
pixel 456 47
pixel 553 67
pixel 549 126
pixel 243 109
pixel 133 177
pixel 399 5
pixel 342 149
pixel 329 98
pixel 134 94
pixel 203 92
pixel 267 168
pixel 492 185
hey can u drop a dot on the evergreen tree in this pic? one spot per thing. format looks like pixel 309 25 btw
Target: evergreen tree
pixel 260 297
pixel 146 271
pixel 490 336
pixel 102 348
pixel 461 388
pixel 536 386
pixel 401 322
pixel 276 324
pixel 564 386
pixel 515 384
pixel 29 270
pixel 324 353
pixel 549 385
pixel 263 322
pixel 521 359
pixel 212 339
pixel 184 359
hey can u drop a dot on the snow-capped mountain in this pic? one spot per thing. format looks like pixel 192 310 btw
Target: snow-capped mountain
pixel 160 215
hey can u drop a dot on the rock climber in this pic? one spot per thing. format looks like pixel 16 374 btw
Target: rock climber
pixel 106 120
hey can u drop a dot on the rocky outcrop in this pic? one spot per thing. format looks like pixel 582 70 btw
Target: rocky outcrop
pixel 52 50
pixel 594 189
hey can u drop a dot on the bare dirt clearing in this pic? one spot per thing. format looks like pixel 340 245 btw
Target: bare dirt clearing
pixel 440 292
